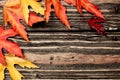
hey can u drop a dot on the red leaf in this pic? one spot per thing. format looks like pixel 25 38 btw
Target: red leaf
pixel 6 33
pixel 95 24
pixel 2 57
pixel 11 47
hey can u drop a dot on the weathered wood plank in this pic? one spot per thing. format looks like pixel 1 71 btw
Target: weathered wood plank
pixel 108 71
pixel 79 53
pixel 71 64
pixel 71 42
pixel 72 58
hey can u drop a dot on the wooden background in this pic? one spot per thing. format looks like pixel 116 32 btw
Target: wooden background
pixel 79 53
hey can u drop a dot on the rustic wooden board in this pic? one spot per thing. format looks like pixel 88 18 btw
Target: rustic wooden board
pixel 79 53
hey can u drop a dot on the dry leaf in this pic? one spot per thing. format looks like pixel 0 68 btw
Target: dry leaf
pixel 95 23
pixel 86 5
pixel 14 73
pixel 60 11
pixel 35 6
pixel 9 46
pixel 13 14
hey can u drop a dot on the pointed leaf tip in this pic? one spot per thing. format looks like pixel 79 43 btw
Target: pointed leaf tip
pixel 95 24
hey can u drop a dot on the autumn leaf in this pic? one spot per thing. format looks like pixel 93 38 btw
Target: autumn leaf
pixel 13 15
pixel 87 5
pixel 14 73
pixel 91 8
pixel 76 3
pixel 9 46
pixel 2 68
pixel 10 3
pixel 73 2
pixel 48 4
pixel 35 6
pixel 79 6
pixel 95 24
pixel 34 18
pixel 60 11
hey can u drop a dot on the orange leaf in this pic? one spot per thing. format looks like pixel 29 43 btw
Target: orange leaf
pixel 87 5
pixel 59 10
pixel 34 18
pixel 10 3
pixel 8 45
pixel 48 4
pixel 79 6
pixel 13 14
pixel 91 8
pixel 73 2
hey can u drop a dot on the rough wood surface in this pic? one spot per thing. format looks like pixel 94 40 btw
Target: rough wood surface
pixel 79 53
pixel 72 58
pixel 73 42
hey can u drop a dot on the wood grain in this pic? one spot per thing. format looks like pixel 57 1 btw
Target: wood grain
pixel 72 58
pixel 79 53
pixel 70 42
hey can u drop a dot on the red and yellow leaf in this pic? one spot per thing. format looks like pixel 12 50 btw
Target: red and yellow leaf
pixel 35 6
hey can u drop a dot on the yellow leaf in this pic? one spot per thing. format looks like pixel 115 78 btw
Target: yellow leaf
pixel 2 68
pixel 14 73
pixel 36 6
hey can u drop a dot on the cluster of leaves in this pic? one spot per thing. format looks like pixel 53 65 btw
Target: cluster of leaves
pixel 16 10
pixel 60 10
pixel 13 12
